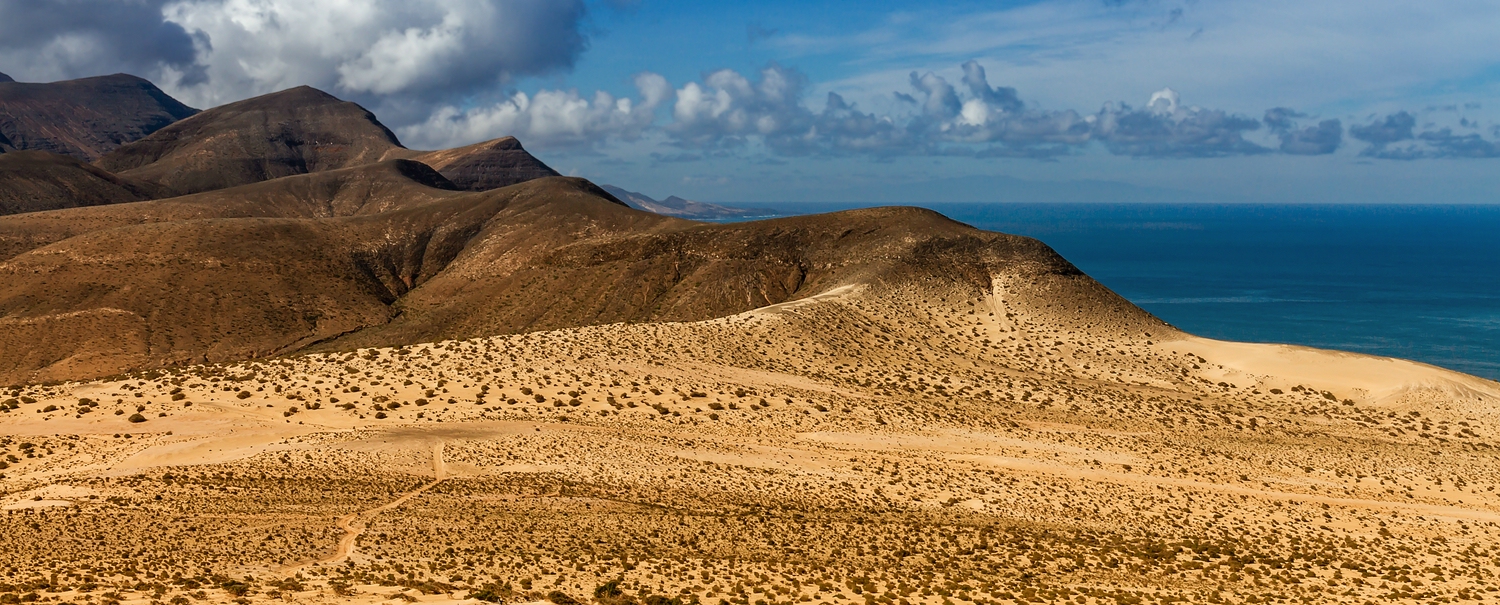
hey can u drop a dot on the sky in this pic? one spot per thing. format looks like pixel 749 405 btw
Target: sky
pixel 878 101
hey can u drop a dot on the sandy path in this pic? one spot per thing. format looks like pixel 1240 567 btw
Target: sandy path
pixel 353 524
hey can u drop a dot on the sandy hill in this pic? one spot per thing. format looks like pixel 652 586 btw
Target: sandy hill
pixel 84 118
pixel 617 265
pixel 483 166
pixel 683 208
pixel 32 181
pixel 295 131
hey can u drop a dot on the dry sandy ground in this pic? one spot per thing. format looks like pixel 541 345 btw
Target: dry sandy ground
pixel 894 448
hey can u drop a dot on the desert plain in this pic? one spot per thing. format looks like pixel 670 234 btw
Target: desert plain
pixel 895 446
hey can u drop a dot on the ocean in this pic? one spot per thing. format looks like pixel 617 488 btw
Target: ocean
pixel 1420 282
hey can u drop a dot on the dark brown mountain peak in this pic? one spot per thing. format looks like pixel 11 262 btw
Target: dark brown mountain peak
pixel 298 96
pixel 84 118
pixel 484 166
pixel 504 144
pixel 295 131
pixel 4 78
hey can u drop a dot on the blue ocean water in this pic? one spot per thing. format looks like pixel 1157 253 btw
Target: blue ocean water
pixel 1420 282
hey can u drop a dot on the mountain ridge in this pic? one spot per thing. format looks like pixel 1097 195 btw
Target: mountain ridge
pixel 294 131
pixel 482 166
pixel 87 117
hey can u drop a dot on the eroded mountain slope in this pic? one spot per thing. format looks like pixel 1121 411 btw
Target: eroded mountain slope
pixel 291 132
pixel 34 181
pixel 84 118
pixel 190 288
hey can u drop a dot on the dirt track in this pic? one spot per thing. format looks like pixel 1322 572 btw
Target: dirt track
pixel 353 524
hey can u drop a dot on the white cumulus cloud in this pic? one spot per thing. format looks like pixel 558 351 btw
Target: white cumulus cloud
pixel 547 119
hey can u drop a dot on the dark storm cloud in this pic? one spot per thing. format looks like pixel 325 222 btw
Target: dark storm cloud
pixel 1282 119
pixel 1321 139
pixel 1394 137
pixel 845 129
pixel 62 39
pixel 941 99
pixel 1394 128
pixel 1003 98
pixel 1445 144
pixel 1185 133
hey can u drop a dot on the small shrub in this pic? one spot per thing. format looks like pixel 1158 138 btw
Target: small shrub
pixel 341 588
pixel 608 590
pixel 238 589
pixel 491 593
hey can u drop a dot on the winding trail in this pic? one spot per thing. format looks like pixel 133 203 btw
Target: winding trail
pixel 353 524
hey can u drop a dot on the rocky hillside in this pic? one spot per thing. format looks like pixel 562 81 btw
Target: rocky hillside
pixel 84 118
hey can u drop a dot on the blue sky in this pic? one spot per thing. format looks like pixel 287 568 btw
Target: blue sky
pixel 884 102
pixel 1357 63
